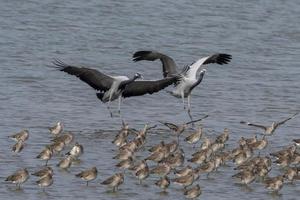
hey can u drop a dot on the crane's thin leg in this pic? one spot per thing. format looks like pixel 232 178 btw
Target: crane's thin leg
pixel 189 109
pixel 108 107
pixel 119 105
pixel 182 97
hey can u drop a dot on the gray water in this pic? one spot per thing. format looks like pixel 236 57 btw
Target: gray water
pixel 261 83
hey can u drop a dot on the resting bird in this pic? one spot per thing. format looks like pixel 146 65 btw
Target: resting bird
pixel 188 76
pixel 110 88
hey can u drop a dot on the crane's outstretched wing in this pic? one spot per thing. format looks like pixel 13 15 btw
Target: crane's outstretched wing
pixel 191 71
pixel 94 78
pixel 255 125
pixel 138 88
pixel 283 121
pixel 168 64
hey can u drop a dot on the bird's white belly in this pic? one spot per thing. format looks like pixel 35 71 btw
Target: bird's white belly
pixel 182 88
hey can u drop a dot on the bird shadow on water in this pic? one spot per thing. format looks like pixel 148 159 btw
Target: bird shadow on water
pixel 275 195
pixel 244 188
pixel 15 190
pixel 163 193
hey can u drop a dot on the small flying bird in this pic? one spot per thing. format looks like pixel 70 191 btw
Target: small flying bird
pixel 163 183
pixel 22 135
pixel 57 129
pixel 88 175
pixel 19 177
pixel 18 147
pixel 76 151
pixel 45 181
pixel 114 181
pixel 269 130
pixel 178 129
pixel 188 76
pixel 193 192
pixel 43 172
pixel 110 88
pixel 46 154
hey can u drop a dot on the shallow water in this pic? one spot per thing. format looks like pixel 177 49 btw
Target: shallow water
pixel 261 83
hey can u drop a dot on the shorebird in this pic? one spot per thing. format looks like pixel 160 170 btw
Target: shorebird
pixel 114 181
pixel 18 147
pixel 66 162
pixel 66 138
pixel 76 150
pixel 184 171
pixel 178 129
pixel 57 147
pixel 297 142
pixel 195 136
pixel 163 183
pixel 88 175
pixel 45 181
pixel 46 154
pixel 57 129
pixel 246 176
pixel 43 172
pixel 188 76
pixel 161 169
pixel 19 177
pixel 22 135
pixel 125 164
pixel 269 130
pixel 142 173
pixel 193 192
pixel 185 181
pixel 275 184
pixel 110 88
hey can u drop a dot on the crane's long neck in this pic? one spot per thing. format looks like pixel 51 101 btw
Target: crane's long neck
pixel 124 83
pixel 198 80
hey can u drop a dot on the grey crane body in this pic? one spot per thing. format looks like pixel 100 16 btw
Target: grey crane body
pixel 188 76
pixel 110 88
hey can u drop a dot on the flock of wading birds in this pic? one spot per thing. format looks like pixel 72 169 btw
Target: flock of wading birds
pixel 170 157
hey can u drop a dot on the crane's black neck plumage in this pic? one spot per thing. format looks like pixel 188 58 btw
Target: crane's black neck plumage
pixel 198 80
pixel 124 83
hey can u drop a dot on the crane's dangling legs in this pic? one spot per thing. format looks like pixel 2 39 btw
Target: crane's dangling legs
pixel 189 108
pixel 182 97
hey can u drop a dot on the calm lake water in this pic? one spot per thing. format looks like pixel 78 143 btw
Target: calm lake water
pixel 261 84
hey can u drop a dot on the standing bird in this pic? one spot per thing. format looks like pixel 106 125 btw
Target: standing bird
pixel 193 192
pixel 88 175
pixel 22 135
pixel 45 181
pixel 19 177
pixel 269 130
pixel 57 129
pixel 76 150
pixel 46 154
pixel 43 172
pixel 188 77
pixel 110 88
pixel 114 181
